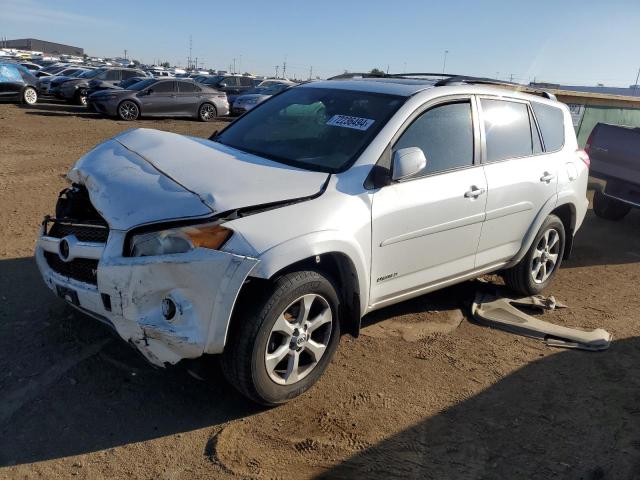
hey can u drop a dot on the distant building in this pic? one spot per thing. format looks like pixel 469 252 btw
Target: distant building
pixel 36 45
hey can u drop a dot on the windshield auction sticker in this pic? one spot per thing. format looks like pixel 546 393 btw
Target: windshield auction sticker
pixel 346 121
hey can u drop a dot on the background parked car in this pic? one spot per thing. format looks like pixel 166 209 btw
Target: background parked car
pixel 163 98
pixel 97 84
pixel 71 72
pixel 232 85
pixel 17 83
pixel 124 84
pixel 51 70
pixel 76 90
pixel 253 97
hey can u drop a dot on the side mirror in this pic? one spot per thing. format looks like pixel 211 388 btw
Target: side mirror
pixel 149 91
pixel 407 162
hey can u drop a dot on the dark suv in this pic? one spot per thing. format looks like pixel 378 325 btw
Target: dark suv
pixel 75 90
pixel 232 85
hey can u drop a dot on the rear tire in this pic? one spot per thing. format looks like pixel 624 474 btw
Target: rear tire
pixel 128 111
pixel 539 266
pixel 275 351
pixel 207 112
pixel 609 208
pixel 29 96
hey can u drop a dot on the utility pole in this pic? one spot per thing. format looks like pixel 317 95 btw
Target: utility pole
pixel 511 78
pixel 635 85
pixel 444 61
pixel 125 53
pixel 310 72
pixel 387 69
pixel 277 67
pixel 190 51
pixel 240 64
pixel 284 69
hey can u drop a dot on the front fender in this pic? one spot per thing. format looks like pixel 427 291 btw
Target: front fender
pixel 309 245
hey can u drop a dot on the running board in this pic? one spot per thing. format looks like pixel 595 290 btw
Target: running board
pixel 499 311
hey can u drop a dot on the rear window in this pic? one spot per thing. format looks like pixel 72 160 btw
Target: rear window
pixel 551 122
pixel 507 129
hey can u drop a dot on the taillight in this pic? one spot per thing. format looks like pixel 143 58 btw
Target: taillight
pixel 587 145
pixel 584 156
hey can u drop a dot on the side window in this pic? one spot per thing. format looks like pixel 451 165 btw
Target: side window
pixel 188 87
pixel 229 82
pixel 551 122
pixel 8 73
pixel 127 74
pixel 163 87
pixel 112 75
pixel 507 129
pixel 246 82
pixel 445 135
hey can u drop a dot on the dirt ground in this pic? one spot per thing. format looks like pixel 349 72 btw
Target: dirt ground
pixel 413 397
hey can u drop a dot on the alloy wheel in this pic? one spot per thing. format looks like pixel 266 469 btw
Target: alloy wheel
pixel 545 256
pixel 30 96
pixel 298 339
pixel 128 111
pixel 207 112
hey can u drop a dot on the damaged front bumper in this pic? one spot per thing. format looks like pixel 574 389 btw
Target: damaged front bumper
pixel 200 286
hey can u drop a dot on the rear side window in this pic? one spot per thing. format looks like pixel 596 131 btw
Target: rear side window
pixel 229 82
pixel 188 87
pixel 507 129
pixel 111 75
pixel 551 122
pixel 127 74
pixel 246 82
pixel 445 135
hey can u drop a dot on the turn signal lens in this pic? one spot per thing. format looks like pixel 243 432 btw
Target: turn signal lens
pixel 207 236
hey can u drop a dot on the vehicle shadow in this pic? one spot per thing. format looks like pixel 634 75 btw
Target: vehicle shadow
pixel 573 415
pixel 605 242
pixel 58 400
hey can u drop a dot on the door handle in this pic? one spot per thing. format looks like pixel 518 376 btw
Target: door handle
pixel 475 192
pixel 547 177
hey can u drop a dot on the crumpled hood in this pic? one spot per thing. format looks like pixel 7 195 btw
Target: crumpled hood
pixel 146 176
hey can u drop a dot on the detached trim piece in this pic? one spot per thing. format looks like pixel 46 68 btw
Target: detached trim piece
pixel 498 311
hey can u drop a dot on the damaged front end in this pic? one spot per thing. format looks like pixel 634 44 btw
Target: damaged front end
pixel 169 306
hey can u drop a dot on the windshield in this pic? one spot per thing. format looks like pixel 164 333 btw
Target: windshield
pixel 142 85
pixel 90 73
pixel 314 128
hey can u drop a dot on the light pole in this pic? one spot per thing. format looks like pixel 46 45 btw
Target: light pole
pixel 444 61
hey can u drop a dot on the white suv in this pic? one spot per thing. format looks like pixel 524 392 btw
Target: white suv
pixel 326 202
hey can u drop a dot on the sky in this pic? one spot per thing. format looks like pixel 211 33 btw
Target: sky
pixel 563 41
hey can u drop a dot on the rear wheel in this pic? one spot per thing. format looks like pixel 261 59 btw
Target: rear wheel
pixel 541 263
pixel 609 208
pixel 128 110
pixel 29 95
pixel 279 347
pixel 207 112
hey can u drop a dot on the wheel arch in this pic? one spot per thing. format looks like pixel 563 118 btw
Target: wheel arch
pixel 567 215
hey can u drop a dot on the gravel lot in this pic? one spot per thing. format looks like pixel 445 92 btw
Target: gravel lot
pixel 411 398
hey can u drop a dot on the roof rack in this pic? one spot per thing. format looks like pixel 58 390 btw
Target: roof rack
pixel 450 79
pixel 464 79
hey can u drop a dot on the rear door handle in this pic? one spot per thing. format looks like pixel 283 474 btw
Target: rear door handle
pixel 475 192
pixel 547 177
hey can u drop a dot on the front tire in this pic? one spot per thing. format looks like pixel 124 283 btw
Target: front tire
pixel 279 347
pixel 128 111
pixel 539 266
pixel 80 97
pixel 207 112
pixel 609 208
pixel 29 96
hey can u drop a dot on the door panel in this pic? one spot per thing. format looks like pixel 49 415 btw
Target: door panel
pixel 517 187
pixel 161 100
pixel 427 228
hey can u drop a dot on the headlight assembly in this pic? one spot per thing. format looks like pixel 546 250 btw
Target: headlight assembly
pixel 179 240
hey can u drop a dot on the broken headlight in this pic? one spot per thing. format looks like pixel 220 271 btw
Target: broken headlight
pixel 179 240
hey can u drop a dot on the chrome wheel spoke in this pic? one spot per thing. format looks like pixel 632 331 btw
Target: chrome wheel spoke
pixel 292 373
pixel 273 359
pixel 282 325
pixel 320 320
pixel 305 307
pixel 315 349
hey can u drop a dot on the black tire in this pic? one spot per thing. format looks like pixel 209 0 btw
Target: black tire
pixel 609 208
pixel 80 97
pixel 207 112
pixel 243 360
pixel 128 110
pixel 29 96
pixel 520 278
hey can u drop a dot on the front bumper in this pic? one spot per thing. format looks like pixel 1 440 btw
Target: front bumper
pixel 106 107
pixel 202 284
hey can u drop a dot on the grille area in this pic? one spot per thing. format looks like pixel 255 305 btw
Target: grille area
pixel 84 233
pixel 81 269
